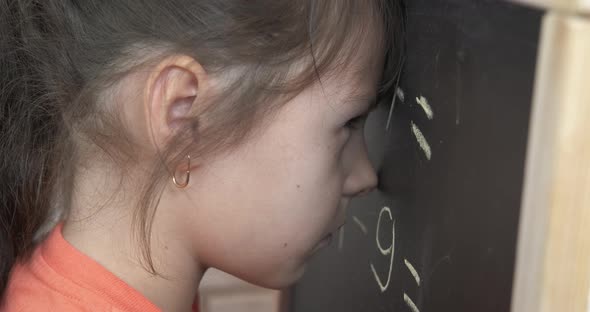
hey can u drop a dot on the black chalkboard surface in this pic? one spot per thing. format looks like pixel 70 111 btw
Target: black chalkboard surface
pixel 440 233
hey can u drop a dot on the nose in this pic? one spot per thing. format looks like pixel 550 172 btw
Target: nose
pixel 362 179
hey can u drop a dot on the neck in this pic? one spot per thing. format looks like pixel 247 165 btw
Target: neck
pixel 92 230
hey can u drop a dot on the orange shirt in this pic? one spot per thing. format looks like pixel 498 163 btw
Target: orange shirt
pixel 59 277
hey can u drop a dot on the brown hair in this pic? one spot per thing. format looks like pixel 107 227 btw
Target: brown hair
pixel 60 60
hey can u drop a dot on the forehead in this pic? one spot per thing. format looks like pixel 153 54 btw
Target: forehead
pixel 363 56
pixel 356 72
pixel 362 71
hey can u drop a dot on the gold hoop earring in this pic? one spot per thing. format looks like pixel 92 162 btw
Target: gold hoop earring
pixel 188 175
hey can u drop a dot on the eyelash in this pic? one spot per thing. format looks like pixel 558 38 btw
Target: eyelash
pixel 355 122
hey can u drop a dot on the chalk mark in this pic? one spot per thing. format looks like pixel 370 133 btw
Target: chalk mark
pixel 425 107
pixel 422 141
pixel 410 303
pixel 388 250
pixel 413 271
pixel 360 224
pixel 445 258
pixel 400 94
pixel 384 252
pixel 395 95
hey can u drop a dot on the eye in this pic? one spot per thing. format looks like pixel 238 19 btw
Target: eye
pixel 356 122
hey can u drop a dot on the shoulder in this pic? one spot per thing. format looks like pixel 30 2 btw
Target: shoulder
pixel 25 292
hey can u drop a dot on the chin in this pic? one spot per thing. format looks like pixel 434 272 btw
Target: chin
pixel 282 280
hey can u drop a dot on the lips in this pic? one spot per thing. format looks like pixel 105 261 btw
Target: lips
pixel 327 239
pixel 323 243
pixel 337 228
pixel 331 233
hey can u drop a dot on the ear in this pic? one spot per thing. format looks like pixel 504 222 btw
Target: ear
pixel 175 90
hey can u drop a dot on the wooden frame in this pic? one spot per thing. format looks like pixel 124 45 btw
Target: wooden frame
pixel 571 6
pixel 553 251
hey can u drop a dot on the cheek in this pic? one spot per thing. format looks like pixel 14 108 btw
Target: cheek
pixel 275 233
pixel 262 211
pixel 350 151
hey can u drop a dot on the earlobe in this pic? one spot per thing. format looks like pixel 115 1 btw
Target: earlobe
pixel 173 94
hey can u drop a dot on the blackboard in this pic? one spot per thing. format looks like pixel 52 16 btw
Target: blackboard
pixel 448 208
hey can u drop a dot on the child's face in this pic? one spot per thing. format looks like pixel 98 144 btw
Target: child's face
pixel 261 211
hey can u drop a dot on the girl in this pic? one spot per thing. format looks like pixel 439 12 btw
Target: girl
pixel 144 141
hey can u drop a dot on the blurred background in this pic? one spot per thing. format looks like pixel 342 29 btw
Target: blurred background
pixel 221 292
